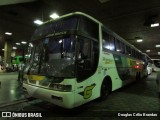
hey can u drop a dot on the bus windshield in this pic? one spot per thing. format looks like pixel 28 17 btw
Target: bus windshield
pixel 54 57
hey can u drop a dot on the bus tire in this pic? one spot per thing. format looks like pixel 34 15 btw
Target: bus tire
pixel 138 76
pixel 105 89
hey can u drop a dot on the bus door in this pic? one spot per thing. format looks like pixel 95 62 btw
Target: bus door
pixel 86 65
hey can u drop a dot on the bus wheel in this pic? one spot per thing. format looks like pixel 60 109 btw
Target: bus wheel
pixel 138 76
pixel 105 89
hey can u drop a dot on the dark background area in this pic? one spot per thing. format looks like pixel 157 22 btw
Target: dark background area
pixel 128 18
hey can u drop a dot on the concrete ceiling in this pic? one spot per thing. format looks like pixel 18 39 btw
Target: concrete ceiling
pixel 125 17
pixel 8 2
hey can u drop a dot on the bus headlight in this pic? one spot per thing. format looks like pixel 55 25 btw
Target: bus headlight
pixel 60 87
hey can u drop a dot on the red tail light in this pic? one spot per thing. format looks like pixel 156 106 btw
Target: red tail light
pixel 137 67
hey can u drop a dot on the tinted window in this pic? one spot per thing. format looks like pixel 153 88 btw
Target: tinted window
pixel 133 53
pixel 108 41
pixel 88 27
pixel 118 45
pixel 112 43
pixel 69 23
pixel 128 50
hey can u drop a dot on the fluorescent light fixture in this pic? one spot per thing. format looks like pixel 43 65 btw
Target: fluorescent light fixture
pixel 39 22
pixel 14 48
pixel 155 25
pixel 157 45
pixel 118 50
pixel 28 55
pixel 23 42
pixel 18 43
pixel 158 53
pixel 54 15
pixel 30 44
pixel 60 41
pixel 8 33
pixel 148 50
pixel 139 40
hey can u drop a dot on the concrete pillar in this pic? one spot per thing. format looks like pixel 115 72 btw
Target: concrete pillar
pixel 7 52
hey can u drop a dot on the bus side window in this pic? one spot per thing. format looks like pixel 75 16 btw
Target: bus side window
pixel 137 54
pixel 118 45
pixel 128 50
pixel 108 41
pixel 132 52
pixel 95 55
pixel 122 47
pixel 112 43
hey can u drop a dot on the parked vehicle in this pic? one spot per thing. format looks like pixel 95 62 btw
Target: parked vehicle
pixel 156 65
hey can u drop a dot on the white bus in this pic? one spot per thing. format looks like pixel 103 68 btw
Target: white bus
pixel 76 59
pixel 156 65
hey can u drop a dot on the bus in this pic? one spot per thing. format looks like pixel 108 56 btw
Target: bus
pixel 76 59
pixel 156 65
pixel 17 59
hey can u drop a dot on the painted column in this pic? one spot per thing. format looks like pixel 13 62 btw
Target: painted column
pixel 7 52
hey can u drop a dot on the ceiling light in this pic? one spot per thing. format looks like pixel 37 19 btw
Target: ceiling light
pixel 8 33
pixel 18 43
pixel 148 50
pixel 158 53
pixel 155 25
pixel 139 40
pixel 28 55
pixel 3 49
pixel 157 45
pixel 60 41
pixel 23 42
pixel 54 15
pixel 151 20
pixel 118 50
pixel 39 22
pixel 30 44
pixel 14 48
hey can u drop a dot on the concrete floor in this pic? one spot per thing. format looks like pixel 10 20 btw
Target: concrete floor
pixel 10 89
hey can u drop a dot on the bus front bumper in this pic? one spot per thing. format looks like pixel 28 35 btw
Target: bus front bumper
pixel 63 99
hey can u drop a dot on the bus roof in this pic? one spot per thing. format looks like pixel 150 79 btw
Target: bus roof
pixel 95 20
pixel 74 13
